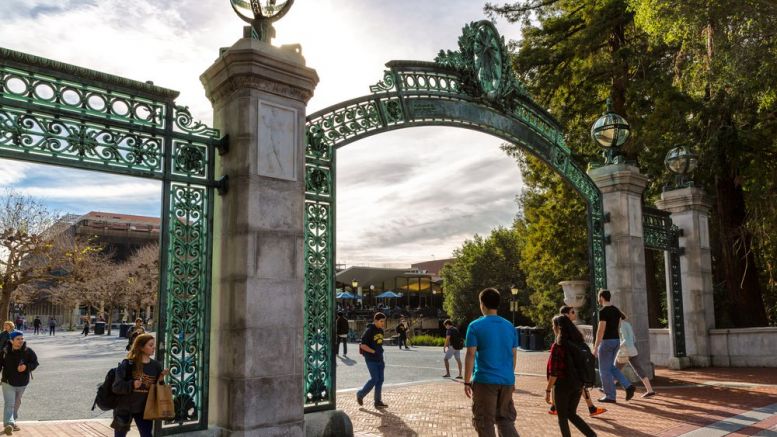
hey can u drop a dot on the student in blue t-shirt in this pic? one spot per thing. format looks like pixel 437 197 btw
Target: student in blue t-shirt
pixel 489 377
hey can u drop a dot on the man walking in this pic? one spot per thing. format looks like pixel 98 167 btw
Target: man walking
pixel 372 349
pixel 453 344
pixel 52 325
pixel 402 332
pixel 16 361
pixel 489 377
pixel 606 349
pixel 342 333
pixel 36 324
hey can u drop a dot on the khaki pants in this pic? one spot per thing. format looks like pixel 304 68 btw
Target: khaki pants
pixel 493 404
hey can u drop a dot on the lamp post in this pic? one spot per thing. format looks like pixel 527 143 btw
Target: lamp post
pixel 372 291
pixel 611 131
pixel 513 303
pixel 681 161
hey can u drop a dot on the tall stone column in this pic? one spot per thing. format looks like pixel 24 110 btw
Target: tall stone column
pixel 622 186
pixel 259 94
pixel 690 212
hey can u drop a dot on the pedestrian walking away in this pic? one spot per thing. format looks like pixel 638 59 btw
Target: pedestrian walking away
pixel 134 377
pixel 593 410
pixel 372 349
pixel 454 343
pixel 86 328
pixel 36 325
pixel 627 354
pixel 489 369
pixel 17 362
pixel 342 333
pixel 52 326
pixel 564 384
pixel 606 349
pixel 5 336
pixel 402 331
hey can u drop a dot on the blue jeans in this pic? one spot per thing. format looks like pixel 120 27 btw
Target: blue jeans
pixel 145 427
pixel 608 350
pixel 376 380
pixel 12 398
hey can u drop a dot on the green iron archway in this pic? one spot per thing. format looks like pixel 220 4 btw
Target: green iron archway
pixel 60 114
pixel 472 88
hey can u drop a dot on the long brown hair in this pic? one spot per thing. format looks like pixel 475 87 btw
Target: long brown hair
pixel 135 354
pixel 567 331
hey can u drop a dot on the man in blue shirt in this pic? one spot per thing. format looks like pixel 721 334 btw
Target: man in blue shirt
pixel 489 377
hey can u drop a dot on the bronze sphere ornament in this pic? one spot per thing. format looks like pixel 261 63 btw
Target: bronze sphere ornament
pixel 611 131
pixel 682 162
pixel 260 14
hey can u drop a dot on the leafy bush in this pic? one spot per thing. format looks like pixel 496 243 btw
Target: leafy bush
pixel 427 340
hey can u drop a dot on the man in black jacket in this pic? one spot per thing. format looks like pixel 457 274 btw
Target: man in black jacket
pixel 342 333
pixel 17 362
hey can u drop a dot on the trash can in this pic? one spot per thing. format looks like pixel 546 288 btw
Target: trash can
pixel 525 337
pixel 537 339
pixel 518 335
pixel 124 330
pixel 99 328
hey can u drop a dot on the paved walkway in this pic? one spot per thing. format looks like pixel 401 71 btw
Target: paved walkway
pixel 696 403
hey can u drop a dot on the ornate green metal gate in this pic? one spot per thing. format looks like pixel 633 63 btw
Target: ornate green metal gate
pixel 60 114
pixel 661 234
pixel 472 88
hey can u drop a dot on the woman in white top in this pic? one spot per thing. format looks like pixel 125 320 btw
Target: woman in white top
pixel 627 354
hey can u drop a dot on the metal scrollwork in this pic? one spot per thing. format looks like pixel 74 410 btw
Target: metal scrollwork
pixel 185 122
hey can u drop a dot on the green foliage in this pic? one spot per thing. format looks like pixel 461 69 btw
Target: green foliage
pixel 494 261
pixel 428 340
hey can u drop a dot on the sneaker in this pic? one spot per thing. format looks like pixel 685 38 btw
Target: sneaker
pixel 460 377
pixel 380 404
pixel 552 411
pixel 359 400
pixel 8 430
pixel 16 428
pixel 606 400
pixel 630 392
pixel 447 375
pixel 649 394
pixel 595 411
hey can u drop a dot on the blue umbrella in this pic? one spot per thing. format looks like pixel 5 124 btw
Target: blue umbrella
pixel 387 294
pixel 345 295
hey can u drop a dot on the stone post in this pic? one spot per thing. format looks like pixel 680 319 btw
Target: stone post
pixel 259 94
pixel 622 186
pixel 690 212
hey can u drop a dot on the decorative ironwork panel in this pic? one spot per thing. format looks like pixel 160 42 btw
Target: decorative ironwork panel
pixel 472 88
pixel 186 304
pixel 657 229
pixel 678 321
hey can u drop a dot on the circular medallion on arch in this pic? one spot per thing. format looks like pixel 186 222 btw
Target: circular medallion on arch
pixel 488 58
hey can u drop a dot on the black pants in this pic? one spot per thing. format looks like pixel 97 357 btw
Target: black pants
pixel 567 398
pixel 402 340
pixel 51 330
pixel 37 330
pixel 344 341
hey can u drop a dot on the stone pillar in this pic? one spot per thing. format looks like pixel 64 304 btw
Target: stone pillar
pixel 622 186
pixel 690 212
pixel 259 94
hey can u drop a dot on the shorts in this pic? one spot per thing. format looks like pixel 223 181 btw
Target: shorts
pixel 453 353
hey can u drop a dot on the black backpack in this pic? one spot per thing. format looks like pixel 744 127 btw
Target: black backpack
pixel 582 364
pixel 106 399
pixel 457 341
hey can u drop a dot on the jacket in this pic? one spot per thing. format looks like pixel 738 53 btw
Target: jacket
pixel 10 359
pixel 628 349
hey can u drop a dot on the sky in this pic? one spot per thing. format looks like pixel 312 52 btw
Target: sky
pixel 405 196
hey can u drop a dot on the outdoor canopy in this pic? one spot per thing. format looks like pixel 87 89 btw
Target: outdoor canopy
pixel 345 295
pixel 387 294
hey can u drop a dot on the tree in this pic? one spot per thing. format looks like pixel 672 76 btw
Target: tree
pixel 494 261
pixel 143 269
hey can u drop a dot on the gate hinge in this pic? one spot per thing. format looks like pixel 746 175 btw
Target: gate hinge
pixel 222 185
pixel 607 239
pixel 223 145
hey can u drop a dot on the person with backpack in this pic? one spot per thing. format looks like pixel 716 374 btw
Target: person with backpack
pixel 133 378
pixel 17 362
pixel 606 349
pixel 593 410
pixel 454 343
pixel 133 333
pixel 402 331
pixel 372 349
pixel 565 385
pixel 342 333
pixel 627 354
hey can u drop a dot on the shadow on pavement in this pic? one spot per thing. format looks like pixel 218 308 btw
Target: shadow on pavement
pixel 390 421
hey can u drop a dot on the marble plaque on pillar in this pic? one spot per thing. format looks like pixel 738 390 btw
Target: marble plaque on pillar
pixel 277 138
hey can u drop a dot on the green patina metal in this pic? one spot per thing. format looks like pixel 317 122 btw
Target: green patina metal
pixel 61 114
pixel 661 234
pixel 473 88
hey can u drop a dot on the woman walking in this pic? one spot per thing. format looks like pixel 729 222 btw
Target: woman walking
pixel 563 382
pixel 134 377
pixel 5 336
pixel 627 354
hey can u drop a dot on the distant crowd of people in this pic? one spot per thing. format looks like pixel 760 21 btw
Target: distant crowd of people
pixel 491 345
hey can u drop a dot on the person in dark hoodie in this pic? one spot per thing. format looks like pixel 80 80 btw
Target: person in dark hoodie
pixel 17 362
pixel 342 333
pixel 134 376
pixel 372 349
pixel 5 336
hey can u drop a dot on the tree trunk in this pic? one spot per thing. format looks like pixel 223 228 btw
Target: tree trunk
pixel 741 274
pixel 110 318
pixel 5 300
